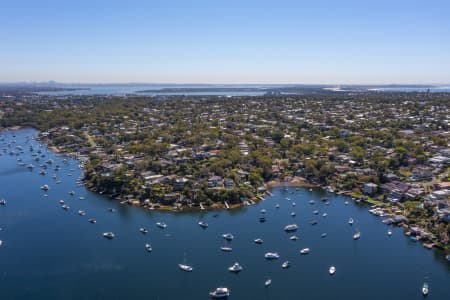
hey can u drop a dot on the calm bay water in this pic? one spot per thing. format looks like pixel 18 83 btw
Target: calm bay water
pixel 50 253
pixel 257 89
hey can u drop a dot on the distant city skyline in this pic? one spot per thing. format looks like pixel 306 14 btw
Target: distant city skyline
pixel 232 42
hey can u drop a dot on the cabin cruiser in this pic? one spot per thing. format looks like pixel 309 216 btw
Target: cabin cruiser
pixel 271 255
pixel 93 221
pixel 228 236
pixel 148 247
pixel 109 235
pixel 220 293
pixel 203 224
pixel 351 221
pixel 161 225
pixel 286 265
pixel 143 230
pixel 81 212
pixel 185 267
pixel 290 227
pixel 425 289
pixel 267 282
pixel 332 270
pixel 226 249
pixel 258 241
pixel 305 251
pixel 235 268
pixel 357 235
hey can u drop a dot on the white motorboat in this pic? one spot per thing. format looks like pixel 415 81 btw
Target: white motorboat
pixel 61 202
pixel 3 202
pixel 323 235
pixel 425 289
pixel 258 241
pixel 148 247
pixel 311 202
pixel 346 202
pixel 203 224
pixel 293 238
pixel 109 235
pixel 286 265
pixel 93 221
pixel 235 268
pixel 332 270
pixel 220 293
pixel 389 233
pixel 161 225
pixel 143 230
pixel 81 212
pixel 293 214
pixel 267 282
pixel 351 221
pixel 185 268
pixel 45 187
pixel 357 235
pixel 263 211
pixel 226 249
pixel 277 205
pixel 271 255
pixel 228 236
pixel 316 212
pixel 290 227
pixel 324 215
pixel 305 251
pixel 65 207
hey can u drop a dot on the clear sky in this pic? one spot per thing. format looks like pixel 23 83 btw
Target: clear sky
pixel 215 41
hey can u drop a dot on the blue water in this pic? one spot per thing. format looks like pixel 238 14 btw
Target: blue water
pixel 50 253
pixel 126 89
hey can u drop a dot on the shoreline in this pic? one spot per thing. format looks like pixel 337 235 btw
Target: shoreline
pixel 293 182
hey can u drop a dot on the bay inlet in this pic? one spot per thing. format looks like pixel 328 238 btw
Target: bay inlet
pixel 48 252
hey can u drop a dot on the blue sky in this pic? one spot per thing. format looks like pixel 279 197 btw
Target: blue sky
pixel 215 41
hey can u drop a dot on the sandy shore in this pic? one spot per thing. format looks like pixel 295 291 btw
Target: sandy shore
pixel 13 128
pixel 294 181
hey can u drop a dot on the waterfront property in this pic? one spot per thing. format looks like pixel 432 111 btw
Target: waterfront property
pixel 75 251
